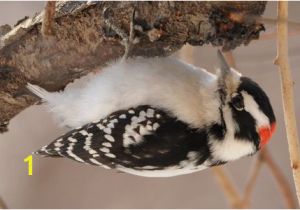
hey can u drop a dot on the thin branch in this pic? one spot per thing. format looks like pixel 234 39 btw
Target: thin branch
pixel 2 204
pixel 294 29
pixel 273 35
pixel 48 19
pixel 228 187
pixel 291 24
pixel 287 93
pixel 283 185
pixel 252 180
pixel 230 58
pixel 280 179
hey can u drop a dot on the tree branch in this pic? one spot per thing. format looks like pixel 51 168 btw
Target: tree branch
pixel 283 185
pixel 230 58
pixel 287 93
pixel 2 204
pixel 294 29
pixel 251 181
pixel 228 187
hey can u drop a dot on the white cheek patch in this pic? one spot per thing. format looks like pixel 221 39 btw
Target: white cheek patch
pixel 252 107
pixel 230 148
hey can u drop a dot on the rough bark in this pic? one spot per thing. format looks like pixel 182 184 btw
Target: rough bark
pixel 81 41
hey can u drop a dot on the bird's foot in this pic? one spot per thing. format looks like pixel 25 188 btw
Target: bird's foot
pixel 127 40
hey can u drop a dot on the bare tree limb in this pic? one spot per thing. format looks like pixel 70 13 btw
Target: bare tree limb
pixel 291 24
pixel 283 185
pixel 230 58
pixel 294 29
pixel 287 93
pixel 83 42
pixel 273 35
pixel 251 181
pixel 2 204
pixel 228 187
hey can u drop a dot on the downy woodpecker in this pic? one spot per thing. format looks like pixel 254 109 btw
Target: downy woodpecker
pixel 160 117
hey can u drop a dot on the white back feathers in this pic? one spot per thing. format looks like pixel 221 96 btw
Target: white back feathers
pixel 161 82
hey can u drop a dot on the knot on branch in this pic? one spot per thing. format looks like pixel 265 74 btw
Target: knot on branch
pixel 232 29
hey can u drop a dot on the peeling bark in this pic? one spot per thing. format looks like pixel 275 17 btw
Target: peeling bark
pixel 81 41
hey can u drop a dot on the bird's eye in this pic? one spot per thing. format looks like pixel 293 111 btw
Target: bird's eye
pixel 237 101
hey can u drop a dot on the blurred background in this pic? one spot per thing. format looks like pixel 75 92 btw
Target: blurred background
pixel 61 183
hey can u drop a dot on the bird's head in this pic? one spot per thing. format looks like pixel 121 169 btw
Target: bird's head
pixel 246 109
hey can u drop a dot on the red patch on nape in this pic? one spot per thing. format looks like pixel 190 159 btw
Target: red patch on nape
pixel 265 134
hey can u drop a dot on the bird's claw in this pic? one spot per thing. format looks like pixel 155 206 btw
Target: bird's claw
pixel 127 40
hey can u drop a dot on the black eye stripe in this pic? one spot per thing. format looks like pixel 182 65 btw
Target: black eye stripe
pixel 258 95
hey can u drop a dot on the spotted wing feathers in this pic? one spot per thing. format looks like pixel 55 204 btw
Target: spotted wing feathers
pixel 140 139
pixel 99 142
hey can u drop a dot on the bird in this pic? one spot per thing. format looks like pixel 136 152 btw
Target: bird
pixel 160 117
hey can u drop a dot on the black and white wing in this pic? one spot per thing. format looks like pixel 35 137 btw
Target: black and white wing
pixel 138 139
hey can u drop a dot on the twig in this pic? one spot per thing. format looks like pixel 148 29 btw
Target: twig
pixel 287 93
pixel 230 58
pixel 48 20
pixel 2 204
pixel 228 187
pixel 283 185
pixel 252 180
pixel 273 35
pixel 295 26
pixel 291 24
pixel 279 177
